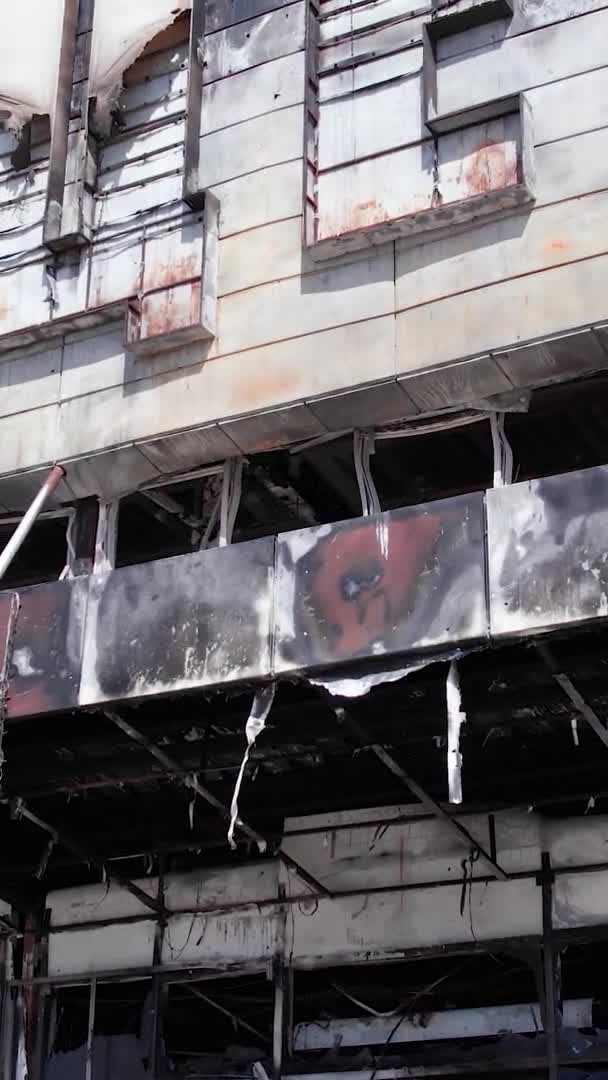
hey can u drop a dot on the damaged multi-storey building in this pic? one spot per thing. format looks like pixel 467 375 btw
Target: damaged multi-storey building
pixel 304 570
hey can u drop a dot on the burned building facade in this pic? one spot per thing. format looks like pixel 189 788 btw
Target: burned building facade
pixel 303 503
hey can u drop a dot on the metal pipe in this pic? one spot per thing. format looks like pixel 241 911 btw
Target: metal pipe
pixel 8 553
pixel 91 1030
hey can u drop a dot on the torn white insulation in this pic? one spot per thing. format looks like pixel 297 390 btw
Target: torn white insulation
pixel 357 686
pixel 363 448
pixel 121 31
pixel 230 499
pixel 32 29
pixel 256 722
pixel 456 718
pixel 503 455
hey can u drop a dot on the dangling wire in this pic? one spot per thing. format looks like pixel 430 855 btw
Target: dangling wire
pixel 467 886
pixel 68 570
pixel 363 448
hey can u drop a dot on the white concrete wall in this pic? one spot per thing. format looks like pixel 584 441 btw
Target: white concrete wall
pixel 292 330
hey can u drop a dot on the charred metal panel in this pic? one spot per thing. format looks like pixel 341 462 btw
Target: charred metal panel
pixel 44 674
pixel 195 620
pixel 406 581
pixel 548 561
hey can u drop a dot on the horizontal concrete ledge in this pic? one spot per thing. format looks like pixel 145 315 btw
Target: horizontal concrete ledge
pixel 467 383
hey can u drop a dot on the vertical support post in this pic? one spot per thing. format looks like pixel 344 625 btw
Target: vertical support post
pixel 88 1072
pixel 159 988
pixel 33 964
pixel 192 193
pixel 107 536
pixel 72 168
pixel 81 557
pixel 551 970
pixel 282 1027
pixel 7 1016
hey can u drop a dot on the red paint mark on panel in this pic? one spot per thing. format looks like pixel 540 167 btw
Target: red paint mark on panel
pixel 364 577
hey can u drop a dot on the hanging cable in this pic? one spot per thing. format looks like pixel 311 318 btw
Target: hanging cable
pixel 456 718
pixel 503 454
pixel 230 499
pixel 70 559
pixel 256 722
pixel 363 448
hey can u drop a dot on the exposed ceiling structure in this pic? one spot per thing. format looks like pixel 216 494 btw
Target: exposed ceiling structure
pixel 144 787
pixel 93 782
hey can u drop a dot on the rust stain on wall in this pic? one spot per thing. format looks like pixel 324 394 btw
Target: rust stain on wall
pixel 260 388
pixel 556 247
pixel 161 275
pixel 489 168
pixel 171 309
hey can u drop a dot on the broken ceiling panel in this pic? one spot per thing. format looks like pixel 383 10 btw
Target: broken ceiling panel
pixel 406 581
pixel 548 563
pixel 29 29
pixel 121 32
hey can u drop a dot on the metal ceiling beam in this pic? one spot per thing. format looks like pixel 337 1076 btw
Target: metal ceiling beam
pixel 19 810
pixel 412 785
pixel 188 780
pixel 564 681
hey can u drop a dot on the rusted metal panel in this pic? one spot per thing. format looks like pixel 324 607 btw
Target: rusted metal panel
pixel 547 560
pixel 47 646
pixel 466 175
pixel 170 281
pixel 408 581
pixel 178 296
pixel 195 620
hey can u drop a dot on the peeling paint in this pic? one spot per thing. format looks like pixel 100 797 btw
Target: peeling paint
pixel 489 168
